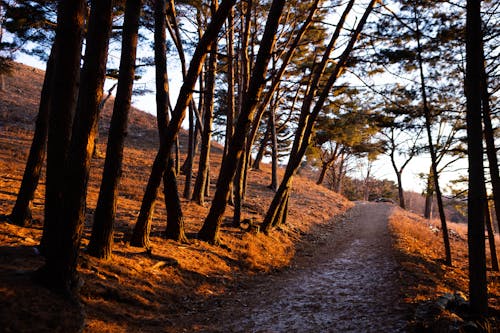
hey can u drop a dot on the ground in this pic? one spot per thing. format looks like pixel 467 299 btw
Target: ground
pixel 326 257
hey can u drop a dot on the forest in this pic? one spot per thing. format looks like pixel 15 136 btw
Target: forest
pixel 270 123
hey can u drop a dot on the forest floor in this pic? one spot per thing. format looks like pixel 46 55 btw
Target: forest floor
pixel 313 275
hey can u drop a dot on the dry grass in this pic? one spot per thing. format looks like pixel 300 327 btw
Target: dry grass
pixel 420 251
pixel 137 290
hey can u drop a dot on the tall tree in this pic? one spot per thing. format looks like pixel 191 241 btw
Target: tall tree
pixel 59 270
pixel 175 219
pixel 476 195
pixel 210 229
pixel 428 120
pixel 104 216
pixel 84 129
pixel 202 179
pixel 183 101
pixel 21 212
pixel 309 113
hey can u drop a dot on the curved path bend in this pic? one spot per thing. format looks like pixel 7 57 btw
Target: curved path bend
pixel 346 282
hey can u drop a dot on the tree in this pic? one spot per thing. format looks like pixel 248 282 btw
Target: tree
pixel 104 216
pixel 59 269
pixel 476 195
pixel 21 212
pixel 175 219
pixel 183 101
pixel 278 208
pixel 210 229
pixel 202 179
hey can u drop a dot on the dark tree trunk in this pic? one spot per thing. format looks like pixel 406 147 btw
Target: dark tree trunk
pixel 59 247
pixel 277 77
pixel 489 138
pixel 202 179
pixel 172 131
pixel 85 125
pixel 67 47
pixel 238 192
pixel 175 218
pixel 324 168
pixel 274 148
pixel 21 213
pixel 101 240
pixel 187 167
pixel 262 149
pixel 210 229
pixel 429 194
pixel 307 118
pixel 401 193
pixel 230 82
pixel 491 237
pixel 476 195
pixel 432 151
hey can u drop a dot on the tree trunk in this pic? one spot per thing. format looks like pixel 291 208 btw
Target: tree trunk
pixel 202 179
pixel 262 148
pixel 321 178
pixel 401 193
pixel 428 122
pixel 274 147
pixel 307 118
pixel 183 101
pixel 230 82
pixel 238 192
pixel 279 74
pixel 429 194
pixel 491 237
pixel 489 138
pixel 85 124
pixel 210 229
pixel 21 213
pixel 101 240
pixel 175 218
pixel 476 195
pixel 187 167
pixel 59 248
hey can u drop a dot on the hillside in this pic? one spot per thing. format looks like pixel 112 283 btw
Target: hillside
pixel 137 289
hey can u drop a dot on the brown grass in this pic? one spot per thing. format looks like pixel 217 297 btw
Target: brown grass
pixel 420 251
pixel 137 289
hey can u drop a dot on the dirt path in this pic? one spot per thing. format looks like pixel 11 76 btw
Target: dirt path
pixel 345 282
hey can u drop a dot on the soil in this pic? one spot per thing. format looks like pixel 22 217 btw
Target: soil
pixel 346 279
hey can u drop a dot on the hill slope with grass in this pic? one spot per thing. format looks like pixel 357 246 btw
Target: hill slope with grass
pixel 137 289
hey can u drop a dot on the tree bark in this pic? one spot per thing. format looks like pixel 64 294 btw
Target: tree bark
pixel 21 213
pixel 230 81
pixel 178 114
pixel 428 122
pixel 210 229
pixel 491 237
pixel 85 124
pixel 478 293
pixel 202 179
pixel 274 147
pixel 262 148
pixel 59 270
pixel 307 118
pixel 429 194
pixel 101 240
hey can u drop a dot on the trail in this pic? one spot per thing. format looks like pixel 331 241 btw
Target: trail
pixel 346 282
